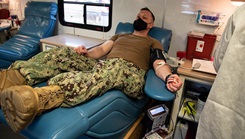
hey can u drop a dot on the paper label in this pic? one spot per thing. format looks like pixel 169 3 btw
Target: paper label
pixel 199 46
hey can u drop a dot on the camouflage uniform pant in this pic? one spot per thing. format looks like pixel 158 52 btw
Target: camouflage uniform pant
pixel 82 78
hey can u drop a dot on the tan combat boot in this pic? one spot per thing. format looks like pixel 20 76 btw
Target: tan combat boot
pixel 10 77
pixel 21 104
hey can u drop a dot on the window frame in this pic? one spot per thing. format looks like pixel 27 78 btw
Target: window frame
pixel 85 25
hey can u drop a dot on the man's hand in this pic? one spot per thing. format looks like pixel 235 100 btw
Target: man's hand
pixel 81 50
pixel 173 83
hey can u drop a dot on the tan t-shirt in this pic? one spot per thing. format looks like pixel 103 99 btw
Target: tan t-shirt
pixel 135 49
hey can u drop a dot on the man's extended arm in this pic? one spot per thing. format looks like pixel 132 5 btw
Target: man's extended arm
pixel 96 52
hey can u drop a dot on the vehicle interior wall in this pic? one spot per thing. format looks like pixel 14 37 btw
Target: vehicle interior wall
pixel 181 18
pixel 177 15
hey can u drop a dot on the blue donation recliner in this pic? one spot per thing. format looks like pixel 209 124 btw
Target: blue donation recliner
pixel 39 22
pixel 107 116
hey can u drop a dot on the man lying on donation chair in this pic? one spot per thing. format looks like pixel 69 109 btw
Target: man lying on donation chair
pixel 76 75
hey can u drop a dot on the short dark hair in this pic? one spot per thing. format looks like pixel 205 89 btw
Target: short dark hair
pixel 147 9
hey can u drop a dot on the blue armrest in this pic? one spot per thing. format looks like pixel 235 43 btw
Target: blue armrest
pixel 156 88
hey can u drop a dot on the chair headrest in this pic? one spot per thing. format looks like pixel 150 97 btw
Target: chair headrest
pixel 42 9
pixel 161 34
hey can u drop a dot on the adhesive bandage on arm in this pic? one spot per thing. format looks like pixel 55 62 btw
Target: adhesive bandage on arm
pixel 160 64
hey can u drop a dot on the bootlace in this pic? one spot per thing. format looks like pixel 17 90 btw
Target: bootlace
pixel 47 99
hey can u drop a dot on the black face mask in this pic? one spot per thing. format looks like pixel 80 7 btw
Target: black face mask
pixel 140 25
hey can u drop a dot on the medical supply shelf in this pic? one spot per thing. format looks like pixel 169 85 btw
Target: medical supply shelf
pixel 188 77
pixel 183 115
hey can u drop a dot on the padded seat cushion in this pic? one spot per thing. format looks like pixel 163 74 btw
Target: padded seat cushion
pixel 20 47
pixel 94 120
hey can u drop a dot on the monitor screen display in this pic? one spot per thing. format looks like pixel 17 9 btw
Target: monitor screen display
pixel 157 111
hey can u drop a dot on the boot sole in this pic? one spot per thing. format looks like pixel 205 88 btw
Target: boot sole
pixel 19 105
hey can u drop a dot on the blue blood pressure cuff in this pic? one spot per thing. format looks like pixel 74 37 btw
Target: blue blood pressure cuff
pixel 157 54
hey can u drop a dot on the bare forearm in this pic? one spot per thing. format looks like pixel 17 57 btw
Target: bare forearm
pixel 100 51
pixel 161 70
pixel 96 53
